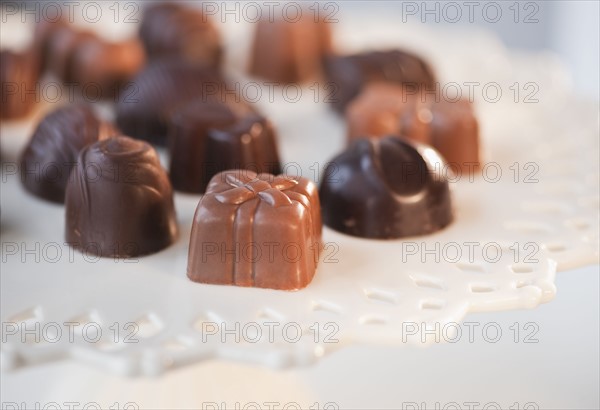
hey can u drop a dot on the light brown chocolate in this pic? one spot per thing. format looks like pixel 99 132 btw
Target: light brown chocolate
pixel 256 230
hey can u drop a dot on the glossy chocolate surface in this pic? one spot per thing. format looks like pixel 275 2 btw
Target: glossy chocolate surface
pixel 172 30
pixel 52 151
pixel 349 74
pixel 145 105
pixel 119 201
pixel 386 188
pixel 209 137
pixel 290 51
pixel 256 230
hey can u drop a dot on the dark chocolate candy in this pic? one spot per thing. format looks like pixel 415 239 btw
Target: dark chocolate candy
pixel 61 47
pixel 386 188
pixel 106 66
pixel 349 74
pixel 119 201
pixel 256 230
pixel 52 151
pixel 290 51
pixel 18 81
pixel 145 105
pixel 209 137
pixel 172 30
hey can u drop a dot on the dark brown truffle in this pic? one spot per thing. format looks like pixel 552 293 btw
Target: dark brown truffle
pixel 18 82
pixel 386 188
pixel 349 74
pixel 256 230
pixel 62 44
pixel 290 51
pixel 106 66
pixel 171 30
pixel 119 201
pixel 209 137
pixel 52 151
pixel 145 105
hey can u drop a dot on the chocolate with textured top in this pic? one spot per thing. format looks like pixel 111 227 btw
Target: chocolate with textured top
pixel 209 137
pixel 349 74
pixel 145 105
pixel 18 81
pixel 290 51
pixel 52 151
pixel 256 230
pixel 119 201
pixel 172 30
pixel 386 188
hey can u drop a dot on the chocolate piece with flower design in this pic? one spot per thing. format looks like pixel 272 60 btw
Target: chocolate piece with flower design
pixel 257 230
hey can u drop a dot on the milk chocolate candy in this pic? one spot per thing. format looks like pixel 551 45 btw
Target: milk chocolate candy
pixel 18 82
pixel 105 66
pixel 256 230
pixel 146 103
pixel 52 151
pixel 450 126
pixel 349 74
pixel 209 137
pixel 386 188
pixel 384 109
pixel 119 201
pixel 171 30
pixel 455 134
pixel 287 51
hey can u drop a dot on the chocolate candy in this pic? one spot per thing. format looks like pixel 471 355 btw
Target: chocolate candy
pixel 106 66
pixel 450 126
pixel 383 109
pixel 386 188
pixel 52 151
pixel 62 45
pixel 349 74
pixel 119 200
pixel 145 105
pixel 18 82
pixel 256 230
pixel 208 137
pixel 455 134
pixel 290 51
pixel 171 30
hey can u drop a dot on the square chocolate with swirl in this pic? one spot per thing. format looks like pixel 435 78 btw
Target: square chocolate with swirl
pixel 256 230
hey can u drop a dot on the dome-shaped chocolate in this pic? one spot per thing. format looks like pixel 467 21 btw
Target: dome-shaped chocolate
pixel 209 137
pixel 119 200
pixel 145 104
pixel 52 151
pixel 386 188
pixel 173 30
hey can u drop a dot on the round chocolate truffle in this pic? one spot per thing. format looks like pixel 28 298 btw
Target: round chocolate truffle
pixel 290 51
pixel 52 151
pixel 386 188
pixel 209 137
pixel 145 104
pixel 119 200
pixel 349 74
pixel 107 66
pixel 18 79
pixel 173 30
